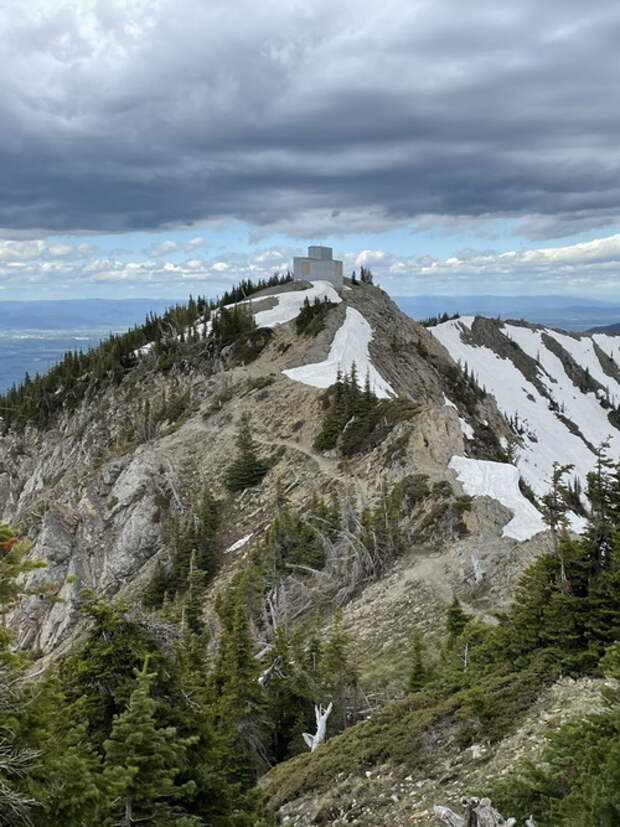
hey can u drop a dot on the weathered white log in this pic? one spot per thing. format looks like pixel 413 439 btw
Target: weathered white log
pixel 321 714
pixel 478 813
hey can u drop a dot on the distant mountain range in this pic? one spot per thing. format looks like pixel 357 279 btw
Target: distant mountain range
pixel 77 314
pixel 569 313
pixel 610 328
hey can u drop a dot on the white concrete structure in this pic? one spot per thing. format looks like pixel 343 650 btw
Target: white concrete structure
pixel 319 264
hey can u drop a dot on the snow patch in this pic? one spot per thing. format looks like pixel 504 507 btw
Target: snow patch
pixel 350 346
pixel 290 304
pixel 500 481
pixel 545 437
pixel 468 431
pixel 288 307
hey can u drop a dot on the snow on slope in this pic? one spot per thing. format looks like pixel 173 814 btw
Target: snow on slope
pixel 609 344
pixel 350 345
pixel 500 481
pixel 582 351
pixel 546 439
pixel 288 306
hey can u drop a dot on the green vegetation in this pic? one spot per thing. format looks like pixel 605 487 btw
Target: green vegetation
pixel 432 321
pixel 188 535
pixel 123 732
pixel 565 621
pixel 145 721
pixel 365 276
pixel 247 469
pixel 463 387
pixel 311 319
pixel 578 779
pixel 355 420
pixel 143 761
pixel 171 337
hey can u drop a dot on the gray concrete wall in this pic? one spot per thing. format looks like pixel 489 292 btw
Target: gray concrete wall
pixel 307 269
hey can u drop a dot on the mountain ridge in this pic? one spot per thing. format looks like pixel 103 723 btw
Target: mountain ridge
pixel 114 489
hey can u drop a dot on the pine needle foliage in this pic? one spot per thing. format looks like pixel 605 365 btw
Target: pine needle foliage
pixel 311 318
pixel 80 376
pixel 355 419
pixel 143 761
pixel 247 469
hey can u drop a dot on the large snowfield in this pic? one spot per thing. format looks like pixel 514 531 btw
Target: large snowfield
pixel 349 347
pixel 546 439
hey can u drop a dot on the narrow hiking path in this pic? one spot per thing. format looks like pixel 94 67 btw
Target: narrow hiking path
pixel 328 466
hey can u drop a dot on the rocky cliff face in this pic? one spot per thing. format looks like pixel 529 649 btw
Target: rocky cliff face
pixel 89 491
pixel 96 492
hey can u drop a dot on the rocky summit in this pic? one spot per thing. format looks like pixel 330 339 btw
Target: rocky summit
pixel 350 499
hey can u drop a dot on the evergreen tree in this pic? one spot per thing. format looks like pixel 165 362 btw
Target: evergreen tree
pixel 238 699
pixel 247 469
pixel 418 669
pixel 339 678
pixel 456 620
pixel 17 755
pixel 554 507
pixel 194 598
pixel 143 761
pixel 65 780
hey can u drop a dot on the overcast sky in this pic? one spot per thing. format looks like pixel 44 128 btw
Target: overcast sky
pixel 161 147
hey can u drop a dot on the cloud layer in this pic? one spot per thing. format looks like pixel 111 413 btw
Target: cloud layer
pixel 304 116
pixel 587 269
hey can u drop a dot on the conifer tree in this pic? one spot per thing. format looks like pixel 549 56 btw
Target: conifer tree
pixel 238 699
pixel 456 620
pixel 554 507
pixel 194 598
pixel 247 469
pixel 339 676
pixel 143 761
pixel 418 669
pixel 13 565
pixel 65 780
pixel 17 759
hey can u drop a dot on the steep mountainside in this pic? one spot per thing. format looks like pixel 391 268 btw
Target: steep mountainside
pixel 559 391
pixel 345 470
pixel 89 490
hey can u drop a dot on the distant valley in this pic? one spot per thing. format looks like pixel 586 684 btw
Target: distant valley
pixel 567 312
pixel 34 335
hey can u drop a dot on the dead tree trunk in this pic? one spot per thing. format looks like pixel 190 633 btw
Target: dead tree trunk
pixel 321 714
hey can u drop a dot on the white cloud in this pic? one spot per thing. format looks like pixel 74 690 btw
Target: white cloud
pixel 590 268
pixel 167 247
pixel 39 249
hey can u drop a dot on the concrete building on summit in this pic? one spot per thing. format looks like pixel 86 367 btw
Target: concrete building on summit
pixel 318 264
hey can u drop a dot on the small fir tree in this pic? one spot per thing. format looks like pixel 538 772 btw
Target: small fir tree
pixel 418 670
pixel 143 760
pixel 247 469
pixel 456 620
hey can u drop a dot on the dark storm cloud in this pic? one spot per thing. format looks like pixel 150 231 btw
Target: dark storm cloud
pixel 130 115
